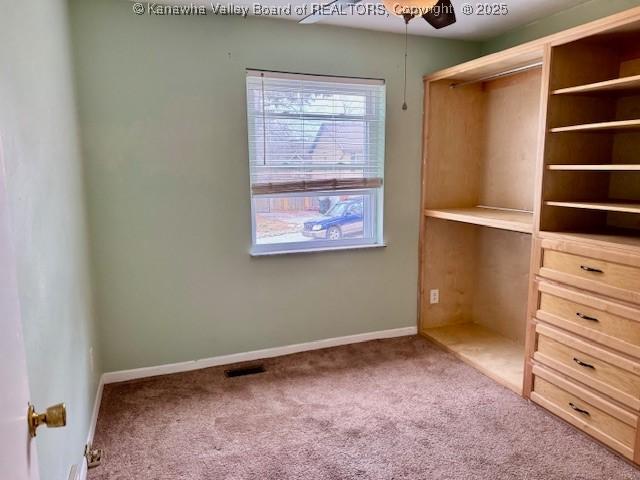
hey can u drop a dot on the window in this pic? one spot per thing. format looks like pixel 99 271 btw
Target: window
pixel 316 158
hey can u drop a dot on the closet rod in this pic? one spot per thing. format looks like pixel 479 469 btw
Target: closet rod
pixel 493 76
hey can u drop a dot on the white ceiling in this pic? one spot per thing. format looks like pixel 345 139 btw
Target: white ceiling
pixel 470 27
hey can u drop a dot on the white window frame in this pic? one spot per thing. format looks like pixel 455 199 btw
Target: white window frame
pixel 374 214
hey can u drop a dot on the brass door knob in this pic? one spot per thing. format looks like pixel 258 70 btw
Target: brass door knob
pixel 54 417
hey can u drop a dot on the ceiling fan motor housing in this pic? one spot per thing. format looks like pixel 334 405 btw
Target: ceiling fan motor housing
pixel 441 15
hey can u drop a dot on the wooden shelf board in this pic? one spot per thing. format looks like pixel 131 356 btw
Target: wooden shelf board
pixel 503 219
pixel 624 207
pixel 612 237
pixel 616 85
pixel 598 168
pixel 496 356
pixel 603 126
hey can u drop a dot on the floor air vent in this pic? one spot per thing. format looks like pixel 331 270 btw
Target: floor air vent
pixel 242 371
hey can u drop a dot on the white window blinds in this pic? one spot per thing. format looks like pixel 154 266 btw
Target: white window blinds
pixel 311 133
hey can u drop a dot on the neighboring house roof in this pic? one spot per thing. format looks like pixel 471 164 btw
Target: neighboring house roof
pixel 348 136
pixel 339 141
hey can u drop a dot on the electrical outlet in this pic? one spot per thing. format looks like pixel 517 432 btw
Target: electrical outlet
pixel 434 296
pixel 93 455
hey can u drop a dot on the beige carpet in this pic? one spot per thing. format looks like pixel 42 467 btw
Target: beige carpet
pixel 391 409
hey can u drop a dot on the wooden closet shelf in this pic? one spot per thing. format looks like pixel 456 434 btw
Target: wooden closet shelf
pixel 609 237
pixel 616 85
pixel 503 219
pixel 625 207
pixel 602 126
pixel 496 356
pixel 605 167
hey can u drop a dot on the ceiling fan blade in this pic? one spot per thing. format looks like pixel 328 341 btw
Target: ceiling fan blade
pixel 316 17
pixel 441 15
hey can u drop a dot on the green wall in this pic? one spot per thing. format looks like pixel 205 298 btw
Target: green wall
pixel 43 167
pixel 162 105
pixel 571 17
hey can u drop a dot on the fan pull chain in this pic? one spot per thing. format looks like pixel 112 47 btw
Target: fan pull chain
pixel 264 124
pixel 406 37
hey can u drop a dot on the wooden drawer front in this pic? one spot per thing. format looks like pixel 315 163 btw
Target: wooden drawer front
pixel 586 410
pixel 609 278
pixel 605 371
pixel 604 321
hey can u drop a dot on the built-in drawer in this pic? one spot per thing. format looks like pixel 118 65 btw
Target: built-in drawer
pixel 586 409
pixel 607 322
pixel 610 373
pixel 609 272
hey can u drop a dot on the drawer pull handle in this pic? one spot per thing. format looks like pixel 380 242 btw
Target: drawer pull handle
pixel 590 269
pixel 579 410
pixel 587 317
pixel 582 364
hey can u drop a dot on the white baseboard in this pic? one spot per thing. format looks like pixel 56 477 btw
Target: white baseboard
pixel 92 426
pixel 124 375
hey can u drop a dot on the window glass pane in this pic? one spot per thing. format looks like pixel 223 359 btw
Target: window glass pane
pixel 318 218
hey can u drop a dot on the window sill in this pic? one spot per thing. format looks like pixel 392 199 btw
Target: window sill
pixel 317 250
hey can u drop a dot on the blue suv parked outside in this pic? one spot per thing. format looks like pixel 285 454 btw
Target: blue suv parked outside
pixel 344 219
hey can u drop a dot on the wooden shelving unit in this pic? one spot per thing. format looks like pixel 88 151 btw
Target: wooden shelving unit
pixel 589 218
pixel 605 206
pixel 590 182
pixel 600 126
pixel 618 85
pixel 604 167
pixel 504 219
pixel 561 142
pixel 493 354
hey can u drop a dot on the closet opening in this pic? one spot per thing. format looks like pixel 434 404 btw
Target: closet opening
pixel 481 153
